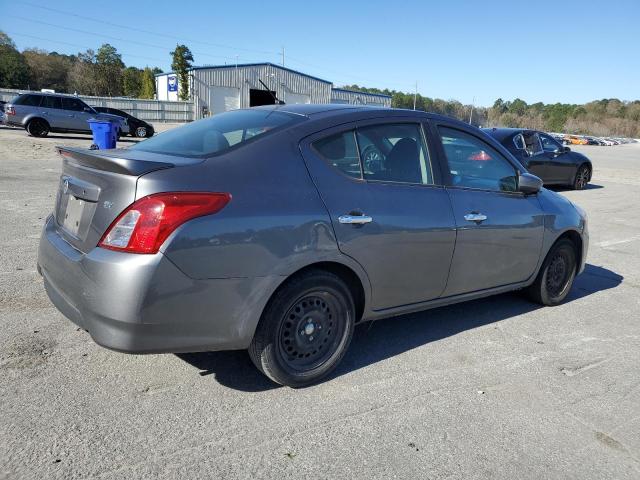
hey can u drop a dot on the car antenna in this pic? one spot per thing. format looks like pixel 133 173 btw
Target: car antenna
pixel 276 99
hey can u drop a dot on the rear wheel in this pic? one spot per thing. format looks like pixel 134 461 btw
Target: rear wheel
pixel 38 128
pixel 582 177
pixel 305 330
pixel 555 279
pixel 141 132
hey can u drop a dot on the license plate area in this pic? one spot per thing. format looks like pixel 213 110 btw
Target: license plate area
pixel 74 215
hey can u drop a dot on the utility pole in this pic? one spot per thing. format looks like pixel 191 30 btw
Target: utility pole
pixel 471 114
pixel 282 56
pixel 415 96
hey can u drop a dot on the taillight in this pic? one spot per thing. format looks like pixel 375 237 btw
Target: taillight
pixel 481 156
pixel 145 225
pixel 9 110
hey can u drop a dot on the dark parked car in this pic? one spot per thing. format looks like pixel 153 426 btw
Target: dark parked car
pixel 545 157
pixel 268 229
pixel 137 128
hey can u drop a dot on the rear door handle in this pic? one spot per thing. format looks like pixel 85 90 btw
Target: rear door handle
pixel 475 217
pixel 355 219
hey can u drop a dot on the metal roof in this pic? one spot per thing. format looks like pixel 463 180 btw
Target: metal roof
pixel 241 65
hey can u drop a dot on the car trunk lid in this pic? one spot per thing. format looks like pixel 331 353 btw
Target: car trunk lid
pixel 95 186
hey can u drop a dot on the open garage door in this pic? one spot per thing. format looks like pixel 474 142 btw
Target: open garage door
pixel 292 98
pixel 224 99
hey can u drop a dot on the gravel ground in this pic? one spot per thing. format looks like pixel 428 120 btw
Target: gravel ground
pixel 497 388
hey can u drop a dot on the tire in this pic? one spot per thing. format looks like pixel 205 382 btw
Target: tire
pixel 305 329
pixel 140 132
pixel 37 127
pixel 581 180
pixel 555 279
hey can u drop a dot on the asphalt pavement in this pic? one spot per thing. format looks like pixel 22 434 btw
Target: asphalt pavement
pixel 497 388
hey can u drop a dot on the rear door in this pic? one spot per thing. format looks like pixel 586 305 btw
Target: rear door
pixel 499 230
pixel 388 208
pixel 51 109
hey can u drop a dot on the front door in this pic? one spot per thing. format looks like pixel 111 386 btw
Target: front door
pixel 560 166
pixel 499 230
pixel 75 115
pixel 388 211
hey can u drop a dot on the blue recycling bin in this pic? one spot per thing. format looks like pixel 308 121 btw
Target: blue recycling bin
pixel 105 133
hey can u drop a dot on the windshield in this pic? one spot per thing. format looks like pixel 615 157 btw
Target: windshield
pixel 216 134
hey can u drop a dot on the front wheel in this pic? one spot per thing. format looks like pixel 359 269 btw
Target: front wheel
pixel 305 330
pixel 555 279
pixel 582 178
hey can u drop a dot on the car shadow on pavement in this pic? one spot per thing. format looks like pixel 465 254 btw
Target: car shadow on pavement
pixel 377 341
pixel 563 188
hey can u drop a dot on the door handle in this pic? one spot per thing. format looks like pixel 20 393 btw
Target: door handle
pixel 355 219
pixel 475 217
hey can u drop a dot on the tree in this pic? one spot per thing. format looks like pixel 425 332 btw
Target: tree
pixel 48 70
pixel 83 74
pixel 181 63
pixel 14 71
pixel 109 67
pixel 132 82
pixel 148 87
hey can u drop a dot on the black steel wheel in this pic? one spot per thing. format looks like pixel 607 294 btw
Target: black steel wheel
pixel 582 177
pixel 305 330
pixel 38 128
pixel 555 279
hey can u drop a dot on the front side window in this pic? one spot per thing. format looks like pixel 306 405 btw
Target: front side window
pixel 394 153
pixel 341 152
pixel 533 144
pixel 75 104
pixel 549 144
pixel 216 134
pixel 474 163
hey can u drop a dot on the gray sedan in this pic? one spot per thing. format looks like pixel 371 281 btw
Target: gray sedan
pixel 277 229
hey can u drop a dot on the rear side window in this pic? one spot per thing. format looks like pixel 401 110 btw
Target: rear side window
pixel 474 163
pixel 28 100
pixel 341 151
pixel 51 102
pixel 394 153
pixel 218 133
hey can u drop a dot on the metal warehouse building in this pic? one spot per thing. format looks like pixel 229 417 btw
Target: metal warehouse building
pixel 217 89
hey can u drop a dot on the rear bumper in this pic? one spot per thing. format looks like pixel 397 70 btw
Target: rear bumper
pixel 144 303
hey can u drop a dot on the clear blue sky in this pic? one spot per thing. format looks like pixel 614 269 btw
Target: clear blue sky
pixel 550 51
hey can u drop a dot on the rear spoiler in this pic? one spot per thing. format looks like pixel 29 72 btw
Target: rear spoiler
pixel 106 162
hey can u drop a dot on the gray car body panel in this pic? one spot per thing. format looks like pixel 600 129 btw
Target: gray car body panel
pixel 209 284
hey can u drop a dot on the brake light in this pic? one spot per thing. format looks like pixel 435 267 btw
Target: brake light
pixel 9 110
pixel 145 224
pixel 481 156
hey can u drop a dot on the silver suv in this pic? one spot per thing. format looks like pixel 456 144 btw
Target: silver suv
pixel 41 113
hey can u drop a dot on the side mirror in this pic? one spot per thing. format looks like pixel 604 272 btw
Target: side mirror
pixel 565 149
pixel 529 184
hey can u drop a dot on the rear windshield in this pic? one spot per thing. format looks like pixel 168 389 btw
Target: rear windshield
pixel 216 134
pixel 28 100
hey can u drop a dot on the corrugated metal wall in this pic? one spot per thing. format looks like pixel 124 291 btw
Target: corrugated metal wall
pixel 339 95
pixel 149 110
pixel 280 80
